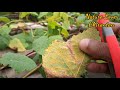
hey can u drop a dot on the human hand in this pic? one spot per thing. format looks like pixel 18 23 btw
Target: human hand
pixel 98 50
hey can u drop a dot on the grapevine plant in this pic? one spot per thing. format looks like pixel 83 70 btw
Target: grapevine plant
pixel 52 39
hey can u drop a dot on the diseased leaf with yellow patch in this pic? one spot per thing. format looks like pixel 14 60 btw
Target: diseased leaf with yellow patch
pixel 16 44
pixel 18 25
pixel 21 25
pixel 65 59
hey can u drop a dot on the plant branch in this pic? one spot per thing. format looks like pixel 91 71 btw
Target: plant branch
pixel 32 71
pixel 3 67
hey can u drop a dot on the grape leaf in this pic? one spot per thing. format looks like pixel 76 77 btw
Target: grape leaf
pixel 64 15
pixel 54 28
pixel 5 30
pixel 18 25
pixel 55 37
pixel 55 17
pixel 100 61
pixel 42 14
pixel 4 19
pixel 4 37
pixel 25 38
pixel 65 59
pixel 66 24
pixel 16 44
pixel 87 21
pixel 13 26
pixel 37 58
pixel 42 72
pixel 24 14
pixel 5 13
pixel 34 13
pixel 40 44
pixel 53 24
pixel 18 62
pixel 39 32
pixel 80 19
pixel 3 43
pixel 65 33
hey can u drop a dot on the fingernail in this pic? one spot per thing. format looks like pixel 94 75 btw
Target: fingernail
pixel 84 43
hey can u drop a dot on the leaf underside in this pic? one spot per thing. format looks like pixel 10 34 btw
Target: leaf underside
pixel 65 59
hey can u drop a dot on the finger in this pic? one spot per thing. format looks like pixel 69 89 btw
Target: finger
pixel 98 68
pixel 116 28
pixel 95 49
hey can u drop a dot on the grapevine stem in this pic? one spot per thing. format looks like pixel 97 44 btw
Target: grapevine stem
pixel 32 71
pixel 3 67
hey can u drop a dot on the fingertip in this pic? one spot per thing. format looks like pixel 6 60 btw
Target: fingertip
pixel 97 68
pixel 84 44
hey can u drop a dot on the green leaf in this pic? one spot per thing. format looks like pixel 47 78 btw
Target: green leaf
pixel 5 30
pixel 17 44
pixel 56 14
pixel 28 37
pixel 66 22
pixel 64 16
pixel 4 43
pixel 24 14
pixel 18 62
pixel 5 13
pixel 49 14
pixel 66 25
pixel 80 19
pixel 65 33
pixel 25 38
pixel 36 58
pixel 87 21
pixel 55 17
pixel 4 39
pixel 52 32
pixel 13 26
pixel 41 70
pixel 53 24
pixel 39 32
pixel 100 61
pixel 72 21
pixel 4 19
pixel 40 58
pixel 40 44
pixel 53 27
pixel 34 13
pixel 42 14
pixel 55 37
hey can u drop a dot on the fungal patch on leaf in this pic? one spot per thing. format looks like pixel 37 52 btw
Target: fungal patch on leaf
pixel 65 59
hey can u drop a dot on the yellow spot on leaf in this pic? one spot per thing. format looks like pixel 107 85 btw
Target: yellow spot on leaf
pixel 16 44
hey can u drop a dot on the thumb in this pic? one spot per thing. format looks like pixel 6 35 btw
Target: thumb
pixel 96 49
